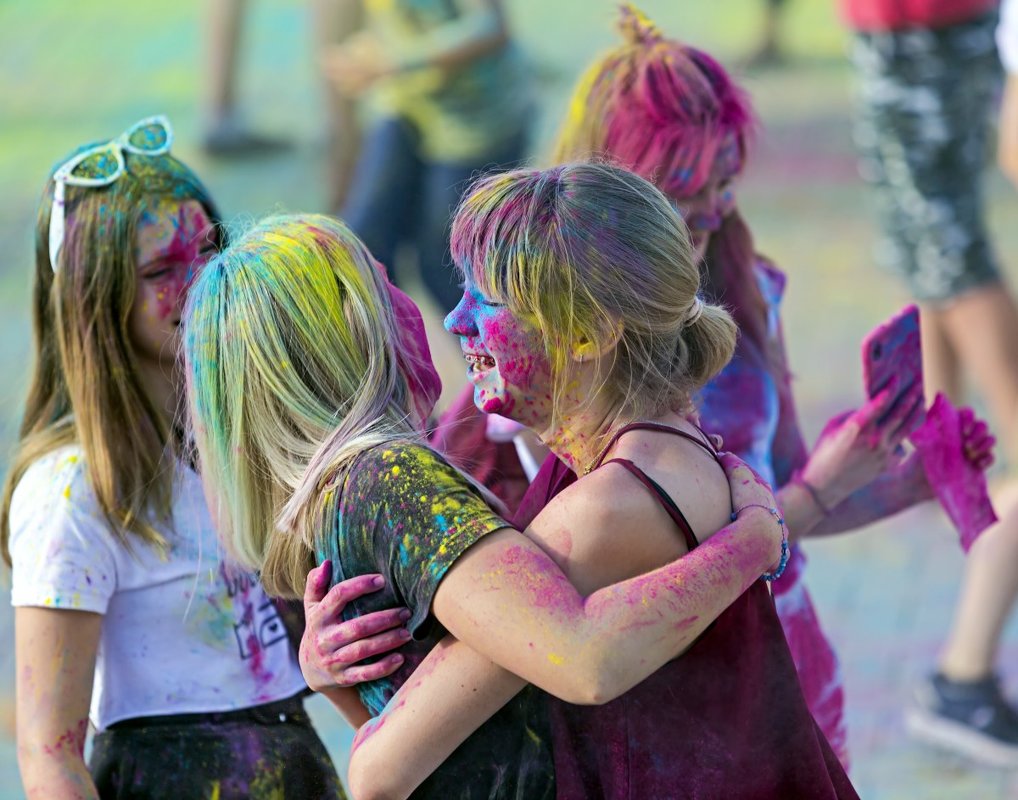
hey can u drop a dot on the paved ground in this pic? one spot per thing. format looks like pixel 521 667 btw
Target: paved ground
pixel 74 72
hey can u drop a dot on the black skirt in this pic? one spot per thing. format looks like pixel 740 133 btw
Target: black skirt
pixel 267 751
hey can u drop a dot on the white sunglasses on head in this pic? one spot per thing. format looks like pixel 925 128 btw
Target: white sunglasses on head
pixel 151 136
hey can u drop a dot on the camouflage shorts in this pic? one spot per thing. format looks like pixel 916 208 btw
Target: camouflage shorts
pixel 925 102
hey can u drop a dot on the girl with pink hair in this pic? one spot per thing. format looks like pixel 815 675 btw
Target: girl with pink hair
pixel 672 114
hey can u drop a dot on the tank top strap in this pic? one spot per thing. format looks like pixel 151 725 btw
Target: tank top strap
pixel 701 440
pixel 663 498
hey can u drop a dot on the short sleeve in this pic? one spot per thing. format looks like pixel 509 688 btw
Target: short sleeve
pixel 413 514
pixel 60 547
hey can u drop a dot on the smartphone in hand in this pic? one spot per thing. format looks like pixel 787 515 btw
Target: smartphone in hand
pixel 893 350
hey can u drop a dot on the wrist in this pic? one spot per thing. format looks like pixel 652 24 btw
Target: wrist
pixel 334 693
pixel 775 567
pixel 914 478
pixel 820 496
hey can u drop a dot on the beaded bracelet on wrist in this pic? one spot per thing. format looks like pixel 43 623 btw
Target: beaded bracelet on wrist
pixel 785 550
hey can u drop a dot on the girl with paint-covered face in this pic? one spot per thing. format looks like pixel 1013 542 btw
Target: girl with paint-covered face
pixel 308 385
pixel 126 614
pixel 581 319
pixel 672 114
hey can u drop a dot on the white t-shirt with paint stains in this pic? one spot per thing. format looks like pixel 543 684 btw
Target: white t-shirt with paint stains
pixel 184 633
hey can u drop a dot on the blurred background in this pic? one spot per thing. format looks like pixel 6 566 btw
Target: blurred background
pixel 75 72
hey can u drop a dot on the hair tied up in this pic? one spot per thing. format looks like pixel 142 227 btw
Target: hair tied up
pixel 694 313
pixel 636 27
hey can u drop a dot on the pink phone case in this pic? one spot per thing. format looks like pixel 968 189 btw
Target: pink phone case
pixel 893 349
pixel 960 486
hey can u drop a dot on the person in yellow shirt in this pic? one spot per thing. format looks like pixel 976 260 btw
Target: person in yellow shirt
pixel 444 94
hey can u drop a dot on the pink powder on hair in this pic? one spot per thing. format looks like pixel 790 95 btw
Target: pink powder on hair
pixel 412 349
pixel 675 116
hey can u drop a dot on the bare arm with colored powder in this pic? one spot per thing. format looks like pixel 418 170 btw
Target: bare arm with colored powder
pixel 826 494
pixel 848 468
pixel 899 483
pixel 582 649
pixel 55 653
pixel 479 29
pixel 853 468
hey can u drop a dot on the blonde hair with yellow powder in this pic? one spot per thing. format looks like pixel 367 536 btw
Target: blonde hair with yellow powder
pixel 289 340
pixel 592 252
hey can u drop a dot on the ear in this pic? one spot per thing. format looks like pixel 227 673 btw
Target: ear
pixel 584 349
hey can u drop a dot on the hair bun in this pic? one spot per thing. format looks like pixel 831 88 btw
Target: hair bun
pixel 636 27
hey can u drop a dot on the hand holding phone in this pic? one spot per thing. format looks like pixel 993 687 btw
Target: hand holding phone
pixel 893 350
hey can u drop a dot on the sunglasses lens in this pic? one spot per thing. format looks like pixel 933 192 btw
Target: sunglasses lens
pixel 150 137
pixel 97 166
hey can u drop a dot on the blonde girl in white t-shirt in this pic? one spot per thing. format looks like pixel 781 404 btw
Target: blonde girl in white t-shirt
pixel 125 611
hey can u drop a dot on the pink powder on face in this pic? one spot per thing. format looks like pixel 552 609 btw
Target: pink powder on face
pixel 518 382
pixel 172 269
pixel 497 404
pixel 518 348
pixel 960 486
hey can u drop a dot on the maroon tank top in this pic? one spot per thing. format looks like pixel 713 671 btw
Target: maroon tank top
pixel 727 719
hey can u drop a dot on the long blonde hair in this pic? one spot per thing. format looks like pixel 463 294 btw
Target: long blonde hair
pixel 85 388
pixel 289 350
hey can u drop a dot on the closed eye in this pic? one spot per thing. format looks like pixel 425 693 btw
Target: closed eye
pixel 479 297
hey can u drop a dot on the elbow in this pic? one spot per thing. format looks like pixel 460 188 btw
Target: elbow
pixel 590 696
pixel 493 35
pixel 360 784
pixel 591 684
pixel 368 780
pixel 598 691
pixel 488 45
